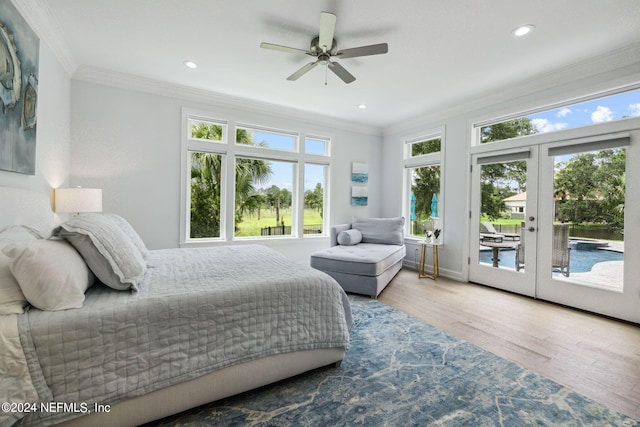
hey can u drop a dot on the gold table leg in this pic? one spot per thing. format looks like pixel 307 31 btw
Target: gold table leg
pixel 423 256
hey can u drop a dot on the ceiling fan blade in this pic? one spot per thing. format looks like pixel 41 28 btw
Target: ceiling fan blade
pixel 339 71
pixel 283 48
pixel 302 71
pixel 327 28
pixel 374 49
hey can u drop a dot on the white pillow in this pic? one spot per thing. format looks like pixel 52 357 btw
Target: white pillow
pixel 12 300
pixel 349 237
pixel 51 273
pixel 107 250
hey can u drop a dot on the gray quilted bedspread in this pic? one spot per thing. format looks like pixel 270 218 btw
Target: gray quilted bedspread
pixel 197 310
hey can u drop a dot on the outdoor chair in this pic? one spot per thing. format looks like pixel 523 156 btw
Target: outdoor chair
pixel 560 255
pixel 561 251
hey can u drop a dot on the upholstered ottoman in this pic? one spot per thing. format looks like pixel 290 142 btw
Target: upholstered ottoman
pixel 364 255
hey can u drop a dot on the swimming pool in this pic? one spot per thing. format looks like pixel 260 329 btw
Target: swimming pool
pixel 581 261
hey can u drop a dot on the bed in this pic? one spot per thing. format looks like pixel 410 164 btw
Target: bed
pixel 197 325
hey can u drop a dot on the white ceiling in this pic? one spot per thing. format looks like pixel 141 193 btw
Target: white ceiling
pixel 441 52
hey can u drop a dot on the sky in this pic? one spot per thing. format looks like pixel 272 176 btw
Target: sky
pixel 587 113
pixel 282 175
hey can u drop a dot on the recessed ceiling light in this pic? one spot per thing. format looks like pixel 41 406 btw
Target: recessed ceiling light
pixel 523 30
pixel 190 64
pixel 362 106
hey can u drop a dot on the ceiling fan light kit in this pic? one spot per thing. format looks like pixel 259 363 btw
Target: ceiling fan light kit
pixel 324 47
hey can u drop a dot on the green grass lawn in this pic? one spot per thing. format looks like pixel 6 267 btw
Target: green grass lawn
pixel 251 225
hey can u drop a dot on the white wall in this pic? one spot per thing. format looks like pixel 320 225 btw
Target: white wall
pixel 617 69
pixel 53 129
pixel 127 142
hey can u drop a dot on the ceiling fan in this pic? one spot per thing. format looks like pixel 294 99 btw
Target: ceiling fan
pixel 324 47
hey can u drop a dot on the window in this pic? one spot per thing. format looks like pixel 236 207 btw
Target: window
pixel 264 185
pixel 423 159
pixel 427 146
pixel 315 145
pixel 566 116
pixel 264 201
pixel 207 130
pixel 424 203
pixel 264 138
pixel 206 179
pixel 314 198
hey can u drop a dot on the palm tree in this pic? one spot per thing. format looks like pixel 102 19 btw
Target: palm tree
pixel 206 182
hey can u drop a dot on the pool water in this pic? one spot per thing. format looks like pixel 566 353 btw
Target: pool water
pixel 581 261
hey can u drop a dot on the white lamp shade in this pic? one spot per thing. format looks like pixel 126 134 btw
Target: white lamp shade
pixel 78 200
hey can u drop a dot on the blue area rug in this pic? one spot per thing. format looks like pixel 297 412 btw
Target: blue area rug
pixel 401 371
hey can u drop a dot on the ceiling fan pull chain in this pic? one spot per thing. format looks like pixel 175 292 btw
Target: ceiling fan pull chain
pixel 325 74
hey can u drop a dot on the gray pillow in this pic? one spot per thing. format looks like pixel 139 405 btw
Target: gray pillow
pixel 388 231
pixel 124 225
pixel 349 237
pixel 107 250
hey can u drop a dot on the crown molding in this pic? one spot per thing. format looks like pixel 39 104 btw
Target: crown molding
pixel 620 66
pixel 39 17
pixel 156 87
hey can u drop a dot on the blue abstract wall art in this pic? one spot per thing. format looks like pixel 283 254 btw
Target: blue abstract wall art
pixel 19 64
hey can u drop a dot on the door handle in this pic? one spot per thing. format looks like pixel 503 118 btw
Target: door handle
pixel 532 218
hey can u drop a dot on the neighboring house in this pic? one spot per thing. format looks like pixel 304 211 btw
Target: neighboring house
pixel 516 205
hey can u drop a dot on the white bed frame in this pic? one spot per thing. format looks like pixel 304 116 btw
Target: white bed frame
pixel 26 207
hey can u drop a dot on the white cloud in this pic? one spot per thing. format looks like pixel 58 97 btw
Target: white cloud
pixel 544 125
pixel 635 109
pixel 602 114
pixel 564 112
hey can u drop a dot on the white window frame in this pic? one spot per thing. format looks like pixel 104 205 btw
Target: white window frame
pixel 423 160
pixel 230 150
pixel 480 122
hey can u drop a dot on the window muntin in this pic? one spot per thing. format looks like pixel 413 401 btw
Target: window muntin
pixel 568 116
pixel 206 178
pixel 314 145
pixel 264 138
pixel 315 190
pixel 207 130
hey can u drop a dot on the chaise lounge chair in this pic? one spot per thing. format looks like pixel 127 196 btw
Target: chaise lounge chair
pixel 493 234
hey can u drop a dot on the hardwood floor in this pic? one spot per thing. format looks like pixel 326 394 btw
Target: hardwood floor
pixel 593 355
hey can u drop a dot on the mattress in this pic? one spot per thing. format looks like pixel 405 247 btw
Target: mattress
pixel 196 311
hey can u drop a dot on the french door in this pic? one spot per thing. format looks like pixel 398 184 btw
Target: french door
pixel 502 255
pixel 548 221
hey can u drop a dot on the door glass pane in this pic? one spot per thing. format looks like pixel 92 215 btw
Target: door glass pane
pixel 263 198
pixel 588 222
pixel 502 213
